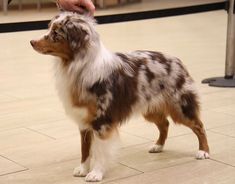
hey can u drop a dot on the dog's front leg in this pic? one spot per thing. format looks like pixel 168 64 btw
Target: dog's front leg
pixel 103 147
pixel 86 141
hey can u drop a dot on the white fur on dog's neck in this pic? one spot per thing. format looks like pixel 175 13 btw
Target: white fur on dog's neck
pixel 97 65
pixel 82 73
pixel 92 63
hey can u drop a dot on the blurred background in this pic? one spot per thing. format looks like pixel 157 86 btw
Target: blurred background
pixel 22 10
pixel 39 144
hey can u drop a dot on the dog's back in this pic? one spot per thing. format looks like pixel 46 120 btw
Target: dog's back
pixel 146 81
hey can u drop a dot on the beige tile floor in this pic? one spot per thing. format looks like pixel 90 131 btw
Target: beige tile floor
pixel 40 145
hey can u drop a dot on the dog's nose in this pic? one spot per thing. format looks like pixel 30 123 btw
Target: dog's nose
pixel 32 42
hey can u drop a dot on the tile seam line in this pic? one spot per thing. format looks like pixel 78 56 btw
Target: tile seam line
pixel 147 139
pixel 220 126
pixel 225 113
pixel 157 134
pixel 154 169
pixel 221 134
pixel 218 161
pixel 134 145
pixel 122 178
pixel 184 163
pixel 26 169
pixel 140 172
pixel 40 133
pixel 13 161
pixel 25 127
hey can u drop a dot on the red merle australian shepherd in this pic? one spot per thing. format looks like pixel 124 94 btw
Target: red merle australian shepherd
pixel 101 89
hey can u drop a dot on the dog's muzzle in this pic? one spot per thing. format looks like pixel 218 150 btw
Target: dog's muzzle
pixel 32 42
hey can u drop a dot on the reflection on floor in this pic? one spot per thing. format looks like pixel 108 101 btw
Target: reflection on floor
pixel 40 145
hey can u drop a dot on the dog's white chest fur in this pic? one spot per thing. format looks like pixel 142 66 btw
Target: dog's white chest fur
pixel 78 114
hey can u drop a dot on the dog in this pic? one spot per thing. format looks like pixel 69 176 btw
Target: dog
pixel 100 90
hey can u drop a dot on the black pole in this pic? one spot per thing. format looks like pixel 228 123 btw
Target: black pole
pixel 229 79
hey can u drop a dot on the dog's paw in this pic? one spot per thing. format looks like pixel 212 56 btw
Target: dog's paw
pixel 156 148
pixel 94 176
pixel 202 155
pixel 80 171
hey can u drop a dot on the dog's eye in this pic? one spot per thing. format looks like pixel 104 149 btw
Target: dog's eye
pixel 55 33
pixel 58 32
pixel 57 36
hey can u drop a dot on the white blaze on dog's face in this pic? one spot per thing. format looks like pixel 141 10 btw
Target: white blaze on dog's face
pixel 68 35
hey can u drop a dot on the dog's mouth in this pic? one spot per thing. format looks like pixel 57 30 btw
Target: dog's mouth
pixel 43 51
pixel 48 51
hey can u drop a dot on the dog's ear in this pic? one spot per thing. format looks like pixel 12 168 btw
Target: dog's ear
pixel 77 35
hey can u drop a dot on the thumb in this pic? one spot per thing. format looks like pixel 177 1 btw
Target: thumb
pixel 88 5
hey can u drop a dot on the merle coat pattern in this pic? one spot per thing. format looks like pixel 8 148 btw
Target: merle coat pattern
pixel 100 90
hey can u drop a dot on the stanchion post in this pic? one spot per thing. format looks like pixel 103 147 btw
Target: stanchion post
pixel 229 78
pixel 230 48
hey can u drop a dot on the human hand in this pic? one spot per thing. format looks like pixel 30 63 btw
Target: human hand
pixel 77 5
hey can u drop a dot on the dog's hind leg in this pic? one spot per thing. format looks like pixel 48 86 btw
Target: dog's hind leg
pixel 197 127
pixel 86 141
pixel 187 113
pixel 162 124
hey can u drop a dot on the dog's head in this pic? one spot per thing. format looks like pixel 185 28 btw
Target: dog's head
pixel 69 34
